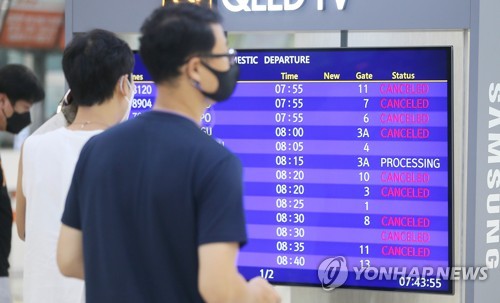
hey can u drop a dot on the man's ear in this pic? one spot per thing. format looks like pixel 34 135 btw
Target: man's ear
pixel 3 99
pixel 193 69
pixel 123 84
pixel 120 85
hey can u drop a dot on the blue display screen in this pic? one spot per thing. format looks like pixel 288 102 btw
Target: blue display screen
pixel 347 164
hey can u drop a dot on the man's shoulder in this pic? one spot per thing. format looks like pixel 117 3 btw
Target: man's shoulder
pixel 55 122
pixel 36 139
pixel 213 156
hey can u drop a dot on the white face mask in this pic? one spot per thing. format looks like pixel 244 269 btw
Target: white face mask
pixel 129 100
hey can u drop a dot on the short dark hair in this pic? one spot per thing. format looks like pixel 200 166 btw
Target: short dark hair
pixel 173 33
pixel 18 82
pixel 92 64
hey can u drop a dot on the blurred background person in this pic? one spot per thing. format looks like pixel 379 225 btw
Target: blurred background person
pixel 97 66
pixel 19 89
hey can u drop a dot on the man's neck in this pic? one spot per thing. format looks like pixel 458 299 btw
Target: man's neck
pixel 99 116
pixel 180 100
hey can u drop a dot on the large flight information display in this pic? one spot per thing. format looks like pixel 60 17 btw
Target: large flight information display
pixel 347 158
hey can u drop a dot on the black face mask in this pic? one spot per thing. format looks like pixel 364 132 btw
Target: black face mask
pixel 227 82
pixel 17 122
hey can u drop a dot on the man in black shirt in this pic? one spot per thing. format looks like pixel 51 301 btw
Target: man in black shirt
pixel 19 89
pixel 154 212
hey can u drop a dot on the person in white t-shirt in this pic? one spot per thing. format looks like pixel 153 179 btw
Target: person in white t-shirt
pixel 97 66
